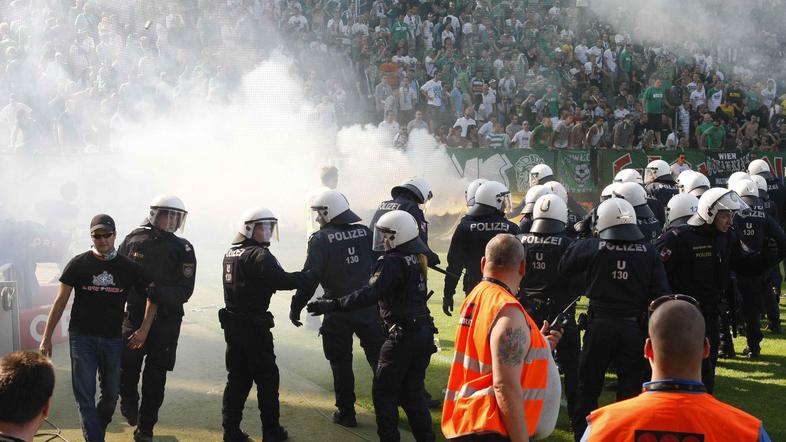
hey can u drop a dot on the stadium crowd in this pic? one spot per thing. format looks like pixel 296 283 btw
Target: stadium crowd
pixel 495 74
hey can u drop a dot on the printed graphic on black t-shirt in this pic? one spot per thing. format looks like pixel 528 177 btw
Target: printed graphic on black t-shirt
pixel 101 289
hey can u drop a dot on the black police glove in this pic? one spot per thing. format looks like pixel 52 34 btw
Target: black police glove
pixel 321 306
pixel 447 304
pixel 294 317
pixel 773 250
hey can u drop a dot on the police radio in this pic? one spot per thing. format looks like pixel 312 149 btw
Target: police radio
pixel 561 321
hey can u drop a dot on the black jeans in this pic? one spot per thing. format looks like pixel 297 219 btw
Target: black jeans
pixel 399 380
pixel 337 330
pixel 608 340
pixel 158 356
pixel 250 359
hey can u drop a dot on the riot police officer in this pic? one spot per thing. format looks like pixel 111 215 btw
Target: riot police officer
pixel 586 227
pixel 532 195
pixel 633 176
pixel 772 298
pixel 623 274
pixel 755 228
pixel 472 188
pixel 679 210
pixel 545 293
pixel 542 174
pixel 484 220
pixel 408 196
pixel 398 287
pixel 694 183
pixel 251 274
pixel 699 260
pixel 558 189
pixel 169 262
pixel 659 182
pixel 645 219
pixel 340 254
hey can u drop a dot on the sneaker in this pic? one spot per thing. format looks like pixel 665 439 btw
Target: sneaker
pixel 238 436
pixel 143 436
pixel 751 353
pixel 131 413
pixel 345 419
pixel 275 435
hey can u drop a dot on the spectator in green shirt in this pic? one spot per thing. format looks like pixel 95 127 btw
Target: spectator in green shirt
pixel 541 135
pixel 713 137
pixel 399 31
pixel 652 102
pixel 498 139
pixel 706 123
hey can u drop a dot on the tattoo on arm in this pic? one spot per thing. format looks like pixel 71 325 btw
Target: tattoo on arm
pixel 511 346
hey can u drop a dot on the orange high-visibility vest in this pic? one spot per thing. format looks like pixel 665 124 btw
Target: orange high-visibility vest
pixel 655 416
pixel 470 403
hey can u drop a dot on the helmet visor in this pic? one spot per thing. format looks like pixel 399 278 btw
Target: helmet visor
pixel 731 202
pixel 168 220
pixel 384 239
pixel 533 179
pixel 650 175
pixel 319 218
pixel 265 231
pixel 507 203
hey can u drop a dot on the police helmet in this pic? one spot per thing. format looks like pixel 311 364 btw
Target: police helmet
pixel 491 197
pixel 538 173
pixel 636 196
pixel 550 215
pixel 736 176
pixel 713 201
pixel 558 189
pixel 469 194
pixel 332 206
pixel 761 183
pixel 417 186
pixel 760 167
pixel 534 192
pixel 656 169
pixel 608 191
pixel 695 184
pixel 248 222
pixel 616 220
pixel 168 213
pixel 628 176
pixel 682 177
pixel 398 230
pixel 680 208
pixel 747 190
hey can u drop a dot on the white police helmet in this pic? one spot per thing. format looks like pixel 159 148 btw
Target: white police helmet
pixel 538 173
pixel 713 201
pixel 761 183
pixel 695 184
pixel 736 176
pixel 656 169
pixel 759 167
pixel 248 222
pixel 628 176
pixel 608 191
pixel 550 215
pixel 680 208
pixel 469 194
pixel 558 189
pixel 332 206
pixel 747 190
pixel 168 213
pixel 398 229
pixel 636 196
pixel 534 192
pixel 682 177
pixel 616 220
pixel 418 186
pixel 491 196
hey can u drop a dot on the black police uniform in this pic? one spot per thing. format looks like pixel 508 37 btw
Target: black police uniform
pixel 340 255
pixel 405 200
pixel 169 262
pixel 755 228
pixel 648 223
pixel 662 189
pixel 398 287
pixel 251 274
pixel 545 293
pixel 622 278
pixel 585 226
pixel 699 261
pixel 469 244
pixel 776 202
pixel 525 223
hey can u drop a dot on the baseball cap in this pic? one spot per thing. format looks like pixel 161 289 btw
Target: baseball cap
pixel 102 221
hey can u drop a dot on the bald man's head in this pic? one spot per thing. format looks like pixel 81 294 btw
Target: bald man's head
pixel 676 331
pixel 504 252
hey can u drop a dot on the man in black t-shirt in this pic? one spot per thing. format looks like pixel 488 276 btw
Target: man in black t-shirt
pixel 101 280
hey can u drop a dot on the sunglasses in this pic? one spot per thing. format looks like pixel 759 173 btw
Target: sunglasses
pixel 666 298
pixel 102 235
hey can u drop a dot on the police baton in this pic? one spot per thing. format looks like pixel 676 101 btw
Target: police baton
pixel 444 272
pixel 561 320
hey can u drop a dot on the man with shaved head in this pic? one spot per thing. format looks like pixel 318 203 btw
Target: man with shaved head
pixel 675 405
pixel 503 384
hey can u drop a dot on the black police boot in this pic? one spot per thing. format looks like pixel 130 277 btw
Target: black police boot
pixel 345 418
pixel 274 435
pixel 774 327
pixel 751 353
pixel 141 435
pixel 237 436
pixel 131 413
